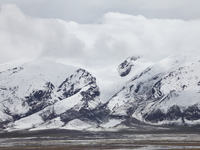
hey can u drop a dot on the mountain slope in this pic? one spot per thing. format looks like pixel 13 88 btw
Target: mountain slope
pixel 165 93
pixel 43 92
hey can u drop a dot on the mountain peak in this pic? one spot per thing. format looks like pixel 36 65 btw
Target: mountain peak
pixel 47 94
pixel 125 67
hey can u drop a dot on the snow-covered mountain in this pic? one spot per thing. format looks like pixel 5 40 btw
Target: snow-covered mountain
pixel 45 94
pixel 167 92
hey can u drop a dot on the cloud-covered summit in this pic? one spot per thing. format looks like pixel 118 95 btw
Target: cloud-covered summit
pixel 116 37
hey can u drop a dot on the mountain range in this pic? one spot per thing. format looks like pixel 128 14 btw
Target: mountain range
pixel 46 94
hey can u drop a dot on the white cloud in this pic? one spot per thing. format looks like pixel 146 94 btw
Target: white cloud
pixel 23 36
pixel 97 47
pixel 18 34
pixel 109 42
pixel 89 11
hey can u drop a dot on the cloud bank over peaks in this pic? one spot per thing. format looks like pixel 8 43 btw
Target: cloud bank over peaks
pixel 107 43
pixel 23 36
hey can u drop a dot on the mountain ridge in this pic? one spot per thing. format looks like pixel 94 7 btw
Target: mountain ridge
pixel 45 94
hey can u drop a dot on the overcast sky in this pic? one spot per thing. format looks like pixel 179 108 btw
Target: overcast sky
pixel 89 11
pixel 98 32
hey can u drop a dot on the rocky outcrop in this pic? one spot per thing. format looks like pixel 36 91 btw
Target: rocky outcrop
pixel 39 92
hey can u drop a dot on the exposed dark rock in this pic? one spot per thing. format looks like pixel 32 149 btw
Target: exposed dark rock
pixel 75 82
pixel 70 115
pixel 192 113
pixel 156 93
pixel 48 115
pixel 125 67
pixel 174 113
pixel 155 116
pixel 97 115
pixel 40 99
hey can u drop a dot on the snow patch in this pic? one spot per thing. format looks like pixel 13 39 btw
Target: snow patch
pixel 76 124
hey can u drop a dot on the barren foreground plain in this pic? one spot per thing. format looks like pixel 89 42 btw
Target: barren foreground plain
pixel 165 138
